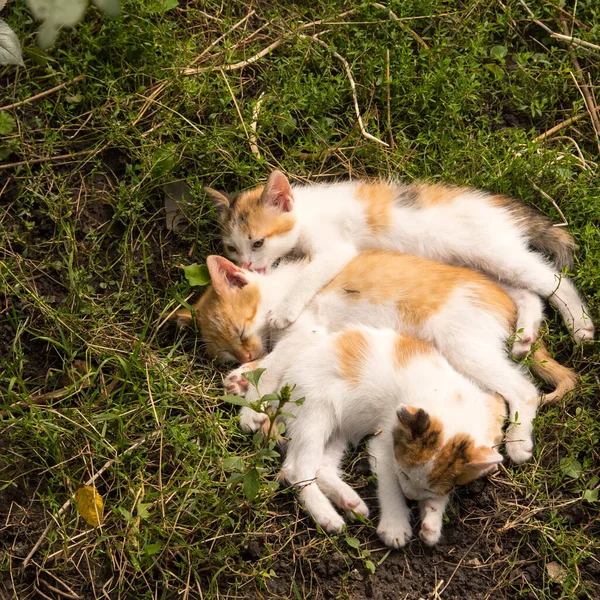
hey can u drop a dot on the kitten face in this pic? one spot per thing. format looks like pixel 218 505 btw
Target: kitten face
pixel 259 227
pixel 227 313
pixel 428 467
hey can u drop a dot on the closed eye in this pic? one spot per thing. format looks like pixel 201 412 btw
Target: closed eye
pixel 242 334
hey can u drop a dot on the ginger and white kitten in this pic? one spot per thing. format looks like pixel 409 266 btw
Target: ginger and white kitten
pixel 437 429
pixel 455 225
pixel 467 317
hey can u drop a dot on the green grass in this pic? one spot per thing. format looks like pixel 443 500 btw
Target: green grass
pixel 88 270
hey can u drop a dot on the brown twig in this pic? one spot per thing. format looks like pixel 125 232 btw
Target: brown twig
pixel 365 133
pixel 565 223
pixel 389 98
pixel 394 16
pixel 563 125
pixel 559 36
pixel 255 113
pixel 35 161
pixel 107 465
pixel 43 94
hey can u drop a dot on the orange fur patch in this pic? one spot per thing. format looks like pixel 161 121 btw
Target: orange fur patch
pixel 430 194
pixel 499 417
pixel 378 199
pixel 451 462
pixel 419 286
pixel 222 318
pixel 417 438
pixel 351 350
pixel 406 348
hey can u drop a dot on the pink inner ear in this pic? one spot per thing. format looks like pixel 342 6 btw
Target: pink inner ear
pixel 278 191
pixel 225 275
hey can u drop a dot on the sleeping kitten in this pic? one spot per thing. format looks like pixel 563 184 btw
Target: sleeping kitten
pixel 467 317
pixel 332 223
pixel 437 429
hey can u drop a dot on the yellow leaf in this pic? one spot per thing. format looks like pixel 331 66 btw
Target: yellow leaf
pixel 89 504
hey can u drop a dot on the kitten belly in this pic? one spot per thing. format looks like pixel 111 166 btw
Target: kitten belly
pixel 337 312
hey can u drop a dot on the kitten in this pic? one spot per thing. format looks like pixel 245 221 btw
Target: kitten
pixel 437 429
pixel 332 223
pixel 467 317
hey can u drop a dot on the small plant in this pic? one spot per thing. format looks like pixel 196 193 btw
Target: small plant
pixel 248 470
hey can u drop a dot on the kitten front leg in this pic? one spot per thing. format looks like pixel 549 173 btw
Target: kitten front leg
pixel 327 263
pixel 394 528
pixel 432 518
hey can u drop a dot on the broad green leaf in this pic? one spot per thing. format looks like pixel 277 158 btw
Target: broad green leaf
pixel 197 274
pixel 590 495
pixel 571 468
pixel 251 483
pixel 151 549
pixel 142 509
pixel 165 159
pixel 353 542
pixel 254 376
pixel 89 505
pixel 498 52
pixel 370 566
pixel 236 400
pixel 258 438
pixel 233 463
pixel 7 123
pixel 497 71
pixel 10 48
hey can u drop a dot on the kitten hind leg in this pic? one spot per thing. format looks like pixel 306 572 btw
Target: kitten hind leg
pixel 305 454
pixel 530 312
pixel 333 486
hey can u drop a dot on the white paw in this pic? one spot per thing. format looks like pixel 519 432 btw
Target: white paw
pixel 235 383
pixel 333 524
pixel 519 450
pixel 250 420
pixel 431 531
pixel 522 347
pixel 353 506
pixel 395 533
pixel 584 332
pixel 282 316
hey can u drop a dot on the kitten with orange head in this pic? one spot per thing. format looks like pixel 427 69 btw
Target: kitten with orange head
pixel 464 315
pixel 332 223
pixel 436 428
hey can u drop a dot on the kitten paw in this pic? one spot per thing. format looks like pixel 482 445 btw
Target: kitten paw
pixel 333 523
pixel 354 507
pixel 235 383
pixel 522 347
pixel 250 420
pixel 431 531
pixel 519 451
pixel 585 331
pixel 277 320
pixel 395 534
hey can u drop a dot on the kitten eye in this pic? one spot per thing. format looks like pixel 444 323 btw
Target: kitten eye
pixel 258 243
pixel 231 249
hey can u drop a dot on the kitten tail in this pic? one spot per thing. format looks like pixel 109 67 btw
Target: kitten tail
pixel 562 378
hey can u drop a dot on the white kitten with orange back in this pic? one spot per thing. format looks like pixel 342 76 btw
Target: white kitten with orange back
pixel 436 428
pixel 466 316
pixel 332 223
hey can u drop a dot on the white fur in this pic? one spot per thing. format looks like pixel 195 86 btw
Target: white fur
pixel 471 231
pixel 337 411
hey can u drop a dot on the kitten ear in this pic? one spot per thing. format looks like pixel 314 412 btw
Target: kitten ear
pixel 220 200
pixel 278 192
pixel 225 276
pixel 483 460
pixel 412 421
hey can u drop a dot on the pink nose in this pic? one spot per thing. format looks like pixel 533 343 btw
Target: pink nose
pixel 245 357
pixel 246 265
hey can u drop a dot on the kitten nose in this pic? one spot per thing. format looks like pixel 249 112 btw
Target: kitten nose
pixel 245 357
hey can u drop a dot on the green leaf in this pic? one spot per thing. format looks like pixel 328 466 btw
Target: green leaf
pixel 151 549
pixel 269 453
pixel 254 376
pixel 142 510
pixel 197 274
pixel 165 159
pixel 236 400
pixel 269 398
pixel 571 468
pixel 258 438
pixel 590 495
pixel 10 48
pixel 495 69
pixel 353 542
pixel 286 125
pixel 233 463
pixel 251 483
pixel 370 566
pixel 7 123
pixel 498 52
pixel 235 477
